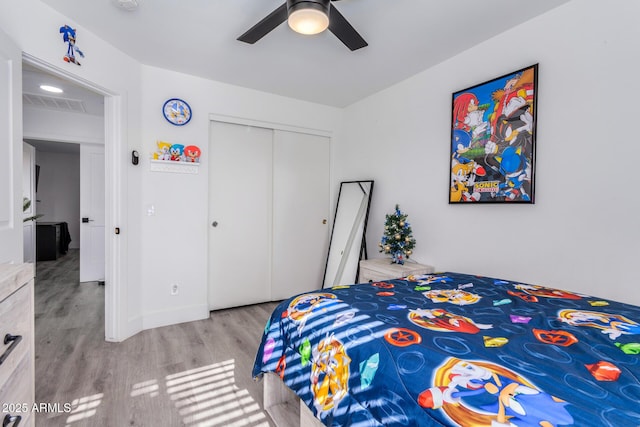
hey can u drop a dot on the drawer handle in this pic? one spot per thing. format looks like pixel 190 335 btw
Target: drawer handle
pixel 8 419
pixel 14 340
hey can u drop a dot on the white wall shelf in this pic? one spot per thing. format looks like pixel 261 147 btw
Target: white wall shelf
pixel 174 167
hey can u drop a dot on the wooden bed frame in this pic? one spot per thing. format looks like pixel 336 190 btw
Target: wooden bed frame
pixel 284 407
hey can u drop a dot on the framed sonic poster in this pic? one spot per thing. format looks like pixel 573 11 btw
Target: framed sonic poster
pixel 493 140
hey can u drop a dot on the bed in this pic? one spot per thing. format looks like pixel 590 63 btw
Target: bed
pixel 455 349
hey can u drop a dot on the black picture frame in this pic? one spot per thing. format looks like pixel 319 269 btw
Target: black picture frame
pixel 493 140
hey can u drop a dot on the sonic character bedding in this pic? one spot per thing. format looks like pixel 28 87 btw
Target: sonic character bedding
pixel 451 349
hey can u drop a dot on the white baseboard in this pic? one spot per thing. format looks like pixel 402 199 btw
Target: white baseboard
pixel 172 317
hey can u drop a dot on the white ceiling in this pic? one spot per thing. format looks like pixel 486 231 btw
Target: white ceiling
pixel 198 37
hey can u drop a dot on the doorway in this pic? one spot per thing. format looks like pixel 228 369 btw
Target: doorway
pixel 117 326
pixel 67 130
pixel 56 199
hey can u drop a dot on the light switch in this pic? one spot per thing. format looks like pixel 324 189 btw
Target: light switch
pixel 151 210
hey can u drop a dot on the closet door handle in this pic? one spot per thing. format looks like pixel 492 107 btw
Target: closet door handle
pixel 14 340
pixel 8 419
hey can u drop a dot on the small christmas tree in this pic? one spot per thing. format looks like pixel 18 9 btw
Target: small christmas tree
pixel 397 240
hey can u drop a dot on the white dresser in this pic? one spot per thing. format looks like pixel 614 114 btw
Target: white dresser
pixel 17 382
pixel 377 269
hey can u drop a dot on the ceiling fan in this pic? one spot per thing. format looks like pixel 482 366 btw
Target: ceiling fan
pixel 307 17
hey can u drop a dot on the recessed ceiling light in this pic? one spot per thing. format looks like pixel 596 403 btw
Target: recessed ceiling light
pixel 52 89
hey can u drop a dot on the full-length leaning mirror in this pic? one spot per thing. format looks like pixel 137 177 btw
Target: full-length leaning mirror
pixel 347 245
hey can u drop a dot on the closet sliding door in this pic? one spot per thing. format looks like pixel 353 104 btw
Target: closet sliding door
pixel 240 189
pixel 268 206
pixel 300 212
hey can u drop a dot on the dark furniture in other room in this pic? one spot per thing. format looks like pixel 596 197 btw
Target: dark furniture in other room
pixel 52 240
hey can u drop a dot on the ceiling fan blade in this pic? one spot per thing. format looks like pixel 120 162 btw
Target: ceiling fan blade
pixel 265 26
pixel 339 26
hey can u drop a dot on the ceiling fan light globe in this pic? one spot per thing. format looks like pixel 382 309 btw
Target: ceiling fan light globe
pixel 308 21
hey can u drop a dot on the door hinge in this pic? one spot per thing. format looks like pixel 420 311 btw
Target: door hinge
pixel 117 230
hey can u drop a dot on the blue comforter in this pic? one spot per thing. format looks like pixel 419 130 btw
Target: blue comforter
pixel 455 349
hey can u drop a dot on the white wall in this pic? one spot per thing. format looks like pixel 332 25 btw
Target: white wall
pixel 176 236
pixel 59 191
pixel 582 233
pixel 50 125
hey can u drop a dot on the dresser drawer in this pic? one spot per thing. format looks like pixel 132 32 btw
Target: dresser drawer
pixel 15 319
pixel 374 276
pixel 16 394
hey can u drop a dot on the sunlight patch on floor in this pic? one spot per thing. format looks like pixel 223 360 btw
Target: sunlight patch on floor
pixel 146 387
pixel 208 396
pixel 84 407
pixel 205 397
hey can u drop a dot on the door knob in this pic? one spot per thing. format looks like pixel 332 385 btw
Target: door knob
pixel 214 224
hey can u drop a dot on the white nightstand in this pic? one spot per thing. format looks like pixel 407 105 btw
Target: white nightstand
pixel 378 269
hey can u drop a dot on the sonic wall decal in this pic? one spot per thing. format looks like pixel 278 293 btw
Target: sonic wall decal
pixel 69 37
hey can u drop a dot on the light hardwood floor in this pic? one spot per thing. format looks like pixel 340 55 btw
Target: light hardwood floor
pixel 191 374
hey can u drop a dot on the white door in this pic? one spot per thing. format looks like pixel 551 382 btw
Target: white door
pixel 29 192
pixel 240 188
pixel 11 232
pixel 92 209
pixel 300 212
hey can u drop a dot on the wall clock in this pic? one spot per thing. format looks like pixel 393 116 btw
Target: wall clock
pixel 176 111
